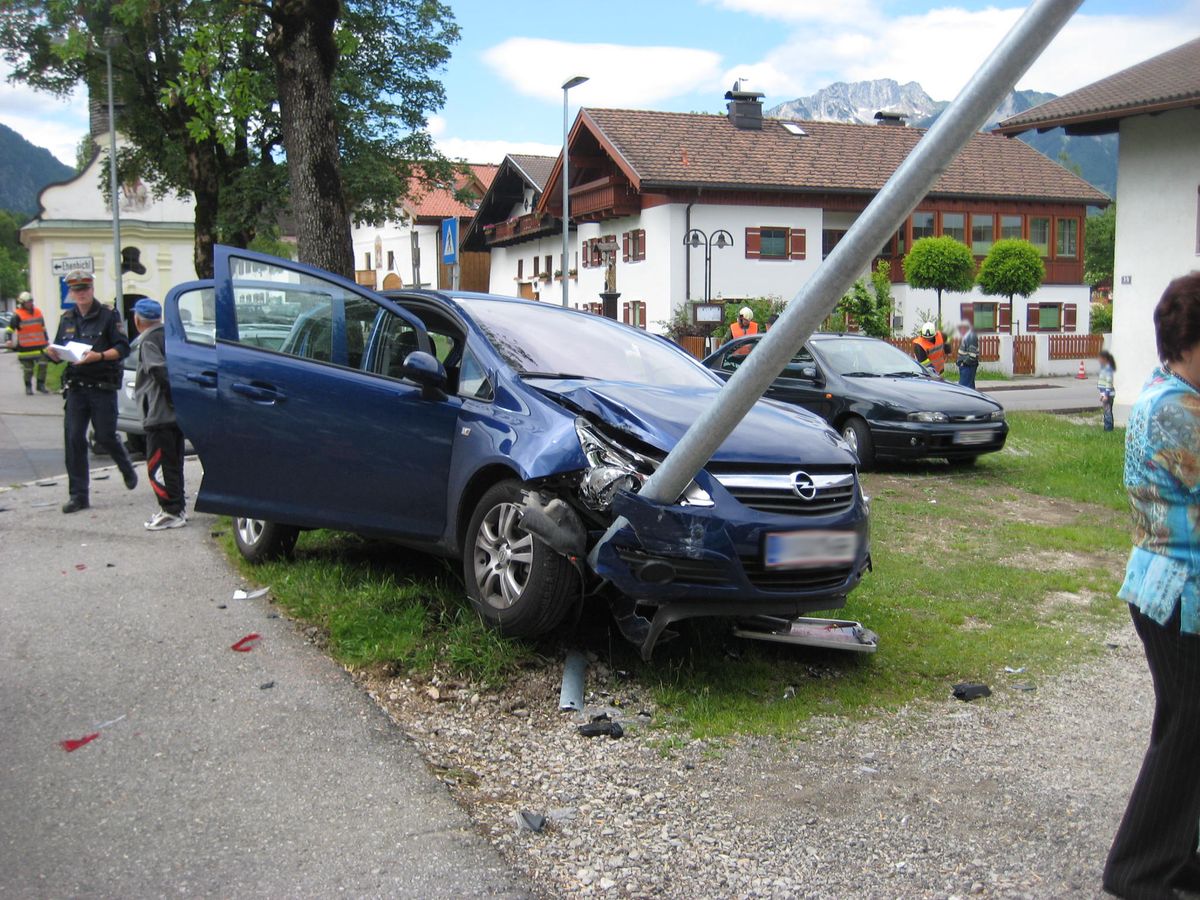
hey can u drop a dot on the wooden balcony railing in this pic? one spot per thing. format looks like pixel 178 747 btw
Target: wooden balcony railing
pixel 604 198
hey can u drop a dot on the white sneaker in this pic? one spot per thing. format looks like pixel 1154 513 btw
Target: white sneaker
pixel 161 521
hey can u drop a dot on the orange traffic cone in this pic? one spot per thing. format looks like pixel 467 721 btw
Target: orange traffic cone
pixel 1082 373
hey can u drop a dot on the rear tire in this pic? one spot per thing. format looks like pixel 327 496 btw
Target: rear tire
pixel 259 541
pixel 857 433
pixel 517 584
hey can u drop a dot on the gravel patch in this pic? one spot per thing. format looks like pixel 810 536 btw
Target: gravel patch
pixel 1015 795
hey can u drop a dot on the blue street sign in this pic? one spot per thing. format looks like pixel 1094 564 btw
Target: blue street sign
pixel 449 251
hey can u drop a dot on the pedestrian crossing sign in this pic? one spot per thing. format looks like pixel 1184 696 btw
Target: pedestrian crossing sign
pixel 449 242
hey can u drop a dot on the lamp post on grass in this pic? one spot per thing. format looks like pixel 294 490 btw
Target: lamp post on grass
pixel 566 209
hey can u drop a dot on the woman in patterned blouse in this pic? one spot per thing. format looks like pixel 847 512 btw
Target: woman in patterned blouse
pixel 1154 853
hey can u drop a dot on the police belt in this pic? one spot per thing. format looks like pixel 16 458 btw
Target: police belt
pixel 75 383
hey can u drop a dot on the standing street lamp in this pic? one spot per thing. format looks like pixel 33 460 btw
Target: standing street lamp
pixel 566 220
pixel 111 39
pixel 719 239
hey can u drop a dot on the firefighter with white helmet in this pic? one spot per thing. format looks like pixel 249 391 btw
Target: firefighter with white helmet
pixel 29 339
pixel 929 349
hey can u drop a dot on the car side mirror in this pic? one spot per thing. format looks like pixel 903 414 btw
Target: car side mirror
pixel 423 369
pixel 809 373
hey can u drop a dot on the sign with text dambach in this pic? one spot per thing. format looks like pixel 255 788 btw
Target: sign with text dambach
pixel 69 264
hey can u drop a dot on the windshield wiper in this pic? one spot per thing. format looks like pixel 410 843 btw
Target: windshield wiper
pixel 904 375
pixel 859 375
pixel 562 376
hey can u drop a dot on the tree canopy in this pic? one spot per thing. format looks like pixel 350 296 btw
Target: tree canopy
pixel 1013 267
pixel 940 264
pixel 199 83
pixel 1100 246
pixel 871 307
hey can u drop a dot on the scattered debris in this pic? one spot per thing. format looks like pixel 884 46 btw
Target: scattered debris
pixel 100 477
pixel 222 606
pixel 272 615
pixel 602 726
pixel 79 567
pixel 41 504
pixel 239 594
pixel 529 821
pixel 1011 671
pixel 266 685
pixel 1024 687
pixel 73 744
pixel 216 534
pixel 570 697
pixel 110 565
pixel 835 634
pixel 47 483
pixel 245 645
pixel 970 690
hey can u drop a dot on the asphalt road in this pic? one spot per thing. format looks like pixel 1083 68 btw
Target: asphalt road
pixel 210 783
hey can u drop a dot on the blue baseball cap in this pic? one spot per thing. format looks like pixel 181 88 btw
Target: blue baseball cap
pixel 148 309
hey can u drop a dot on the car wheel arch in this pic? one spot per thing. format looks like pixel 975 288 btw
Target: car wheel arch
pixel 480 483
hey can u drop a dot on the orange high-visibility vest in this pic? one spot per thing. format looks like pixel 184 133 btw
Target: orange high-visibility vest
pixel 31 332
pixel 737 331
pixel 935 350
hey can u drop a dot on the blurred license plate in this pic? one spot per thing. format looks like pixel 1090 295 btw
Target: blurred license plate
pixel 974 437
pixel 810 549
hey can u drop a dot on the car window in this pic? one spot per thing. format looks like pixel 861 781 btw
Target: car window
pixel 360 319
pixel 801 361
pixel 539 340
pixel 866 356
pixel 397 339
pixel 472 380
pixel 198 312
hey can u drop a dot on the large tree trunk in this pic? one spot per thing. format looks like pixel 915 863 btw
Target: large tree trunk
pixel 301 44
pixel 206 187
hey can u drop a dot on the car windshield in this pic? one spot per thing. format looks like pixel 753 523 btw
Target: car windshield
pixel 866 358
pixel 551 342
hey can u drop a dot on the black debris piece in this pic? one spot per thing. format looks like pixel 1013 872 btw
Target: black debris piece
pixel 531 821
pixel 216 534
pixel 970 690
pixel 272 615
pixel 266 685
pixel 221 606
pixel 602 726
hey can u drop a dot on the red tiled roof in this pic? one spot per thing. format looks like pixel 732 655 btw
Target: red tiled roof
pixel 1170 80
pixel 424 202
pixel 695 150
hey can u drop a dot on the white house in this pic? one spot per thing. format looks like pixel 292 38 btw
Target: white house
pixel 75 221
pixel 404 251
pixel 1155 108
pixel 785 192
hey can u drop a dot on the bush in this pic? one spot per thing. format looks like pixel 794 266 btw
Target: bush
pixel 870 307
pixel 1101 318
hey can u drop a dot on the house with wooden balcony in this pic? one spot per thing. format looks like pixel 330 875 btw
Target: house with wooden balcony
pixel 787 192
pixel 404 252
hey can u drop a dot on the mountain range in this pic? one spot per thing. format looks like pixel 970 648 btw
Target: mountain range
pixel 858 101
pixel 24 170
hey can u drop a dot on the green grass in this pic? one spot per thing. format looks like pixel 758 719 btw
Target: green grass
pixel 991 575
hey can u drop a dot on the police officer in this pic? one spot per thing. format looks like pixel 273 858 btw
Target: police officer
pixel 91 386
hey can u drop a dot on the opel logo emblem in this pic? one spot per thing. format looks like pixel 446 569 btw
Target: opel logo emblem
pixel 804 486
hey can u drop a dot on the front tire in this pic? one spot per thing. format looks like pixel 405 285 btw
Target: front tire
pixel 857 433
pixel 517 584
pixel 260 541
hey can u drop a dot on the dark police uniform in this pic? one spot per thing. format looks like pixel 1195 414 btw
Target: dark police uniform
pixel 91 394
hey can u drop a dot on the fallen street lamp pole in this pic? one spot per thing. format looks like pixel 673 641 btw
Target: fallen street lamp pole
pixel 904 190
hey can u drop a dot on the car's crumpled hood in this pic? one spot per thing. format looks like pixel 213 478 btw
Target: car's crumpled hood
pixel 659 416
pixel 916 394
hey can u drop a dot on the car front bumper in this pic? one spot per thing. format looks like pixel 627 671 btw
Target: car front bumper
pixel 917 440
pixel 688 561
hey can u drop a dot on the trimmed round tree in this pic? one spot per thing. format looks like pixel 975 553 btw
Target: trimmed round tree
pixel 940 264
pixel 1013 267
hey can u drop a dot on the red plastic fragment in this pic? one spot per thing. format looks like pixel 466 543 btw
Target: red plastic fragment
pixel 73 744
pixel 80 566
pixel 245 644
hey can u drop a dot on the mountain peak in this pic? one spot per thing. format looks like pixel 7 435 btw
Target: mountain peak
pixel 858 101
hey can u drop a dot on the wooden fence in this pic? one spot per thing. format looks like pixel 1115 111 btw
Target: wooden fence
pixel 1075 346
pixel 1024 354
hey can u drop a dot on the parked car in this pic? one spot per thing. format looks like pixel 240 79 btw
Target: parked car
pixel 879 399
pixel 510 435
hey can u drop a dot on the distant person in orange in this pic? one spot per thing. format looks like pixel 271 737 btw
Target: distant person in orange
pixel 744 326
pixel 929 349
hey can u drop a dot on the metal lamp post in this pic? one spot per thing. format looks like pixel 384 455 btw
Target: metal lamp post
pixel 719 239
pixel 566 220
pixel 111 39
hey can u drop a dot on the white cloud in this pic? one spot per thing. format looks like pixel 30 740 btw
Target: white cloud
pixel 942 48
pixel 43 119
pixel 483 151
pixel 804 10
pixel 620 75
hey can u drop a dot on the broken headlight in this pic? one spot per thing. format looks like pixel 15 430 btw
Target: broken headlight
pixel 610 467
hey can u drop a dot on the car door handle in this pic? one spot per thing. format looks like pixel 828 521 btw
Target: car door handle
pixel 256 392
pixel 204 379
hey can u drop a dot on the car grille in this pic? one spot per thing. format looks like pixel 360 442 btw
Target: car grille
pixel 789 580
pixel 704 572
pixel 820 494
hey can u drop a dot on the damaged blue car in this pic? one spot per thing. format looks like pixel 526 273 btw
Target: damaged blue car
pixel 509 435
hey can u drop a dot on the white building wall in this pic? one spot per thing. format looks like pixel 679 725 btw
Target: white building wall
pixel 396 236
pixel 1158 175
pixel 913 304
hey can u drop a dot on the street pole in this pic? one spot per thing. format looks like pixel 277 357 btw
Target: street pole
pixel 566 209
pixel 118 298
pixel 910 183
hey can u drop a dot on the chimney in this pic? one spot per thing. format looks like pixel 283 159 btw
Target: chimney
pixel 745 108
pixel 98 114
pixel 887 117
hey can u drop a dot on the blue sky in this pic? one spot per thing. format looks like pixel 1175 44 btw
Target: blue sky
pixel 503 82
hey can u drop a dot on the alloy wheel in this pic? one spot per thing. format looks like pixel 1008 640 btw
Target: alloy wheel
pixel 503 556
pixel 850 436
pixel 250 530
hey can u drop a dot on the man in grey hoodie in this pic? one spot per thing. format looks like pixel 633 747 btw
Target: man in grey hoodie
pixel 164 440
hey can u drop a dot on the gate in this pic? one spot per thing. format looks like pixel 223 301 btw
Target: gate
pixel 1024 354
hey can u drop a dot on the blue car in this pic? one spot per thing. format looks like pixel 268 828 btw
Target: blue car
pixel 507 434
